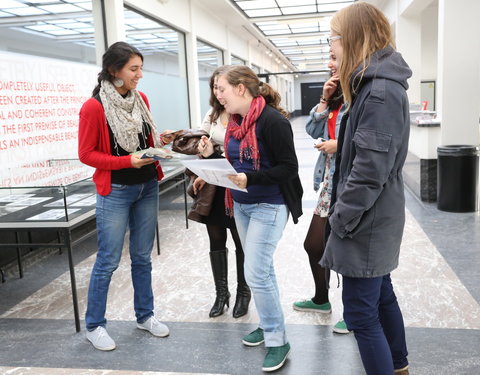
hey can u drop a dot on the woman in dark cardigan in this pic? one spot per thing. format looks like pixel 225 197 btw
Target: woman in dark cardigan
pixel 259 145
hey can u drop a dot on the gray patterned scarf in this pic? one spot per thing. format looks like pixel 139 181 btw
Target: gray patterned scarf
pixel 126 116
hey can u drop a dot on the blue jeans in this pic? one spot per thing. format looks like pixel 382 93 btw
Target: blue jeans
pixel 135 206
pixel 371 310
pixel 260 227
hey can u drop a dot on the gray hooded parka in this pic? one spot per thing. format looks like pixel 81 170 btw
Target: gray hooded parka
pixel 368 214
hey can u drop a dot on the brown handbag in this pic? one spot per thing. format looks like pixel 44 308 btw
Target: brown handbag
pixel 186 141
pixel 202 201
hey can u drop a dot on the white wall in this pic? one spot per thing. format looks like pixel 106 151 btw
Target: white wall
pixel 429 43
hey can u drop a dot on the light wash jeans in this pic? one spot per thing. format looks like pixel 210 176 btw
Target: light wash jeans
pixel 135 206
pixel 260 227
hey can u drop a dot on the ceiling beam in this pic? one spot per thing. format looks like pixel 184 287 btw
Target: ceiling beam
pixel 291 17
pixel 314 46
pixel 42 17
pixel 299 35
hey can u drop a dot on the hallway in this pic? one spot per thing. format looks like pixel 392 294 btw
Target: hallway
pixel 437 284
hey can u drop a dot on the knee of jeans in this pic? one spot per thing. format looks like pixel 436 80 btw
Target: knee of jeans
pixel 255 279
pixel 106 268
pixel 143 263
pixel 358 321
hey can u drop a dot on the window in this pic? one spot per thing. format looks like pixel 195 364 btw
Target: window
pixel 164 69
pixel 54 28
pixel 237 60
pixel 209 59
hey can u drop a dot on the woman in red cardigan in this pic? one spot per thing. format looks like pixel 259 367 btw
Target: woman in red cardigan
pixel 115 123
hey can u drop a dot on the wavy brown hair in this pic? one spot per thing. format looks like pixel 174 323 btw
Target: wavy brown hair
pixel 364 30
pixel 241 74
pixel 217 108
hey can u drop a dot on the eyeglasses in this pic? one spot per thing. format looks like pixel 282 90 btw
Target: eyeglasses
pixel 332 39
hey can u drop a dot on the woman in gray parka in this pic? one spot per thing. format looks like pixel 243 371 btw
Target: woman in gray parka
pixel 367 214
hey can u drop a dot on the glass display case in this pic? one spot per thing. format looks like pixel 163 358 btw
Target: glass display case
pixel 59 196
pixel 54 196
pixel 54 191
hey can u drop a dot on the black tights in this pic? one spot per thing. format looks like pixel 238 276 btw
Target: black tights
pixel 218 241
pixel 315 247
pixel 218 237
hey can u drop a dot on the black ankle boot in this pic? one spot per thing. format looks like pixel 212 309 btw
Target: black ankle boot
pixel 218 259
pixel 243 291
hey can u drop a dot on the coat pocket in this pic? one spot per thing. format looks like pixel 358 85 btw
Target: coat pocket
pixel 372 140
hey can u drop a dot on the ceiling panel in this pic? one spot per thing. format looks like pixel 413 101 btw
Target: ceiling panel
pixel 297 28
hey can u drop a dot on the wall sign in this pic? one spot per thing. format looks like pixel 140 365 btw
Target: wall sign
pixel 40 99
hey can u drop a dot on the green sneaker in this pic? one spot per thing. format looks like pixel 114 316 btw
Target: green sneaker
pixel 341 327
pixel 254 338
pixel 309 305
pixel 275 357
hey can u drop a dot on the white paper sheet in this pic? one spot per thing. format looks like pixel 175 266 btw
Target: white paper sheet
pixel 53 214
pixel 213 171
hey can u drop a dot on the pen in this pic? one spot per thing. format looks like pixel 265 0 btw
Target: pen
pixel 211 134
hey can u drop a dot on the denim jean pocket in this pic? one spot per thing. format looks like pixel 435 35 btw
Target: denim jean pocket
pixel 118 186
pixel 268 212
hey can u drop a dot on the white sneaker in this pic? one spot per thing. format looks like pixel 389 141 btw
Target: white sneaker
pixel 155 327
pixel 100 339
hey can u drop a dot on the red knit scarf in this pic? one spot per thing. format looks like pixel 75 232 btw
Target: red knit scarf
pixel 246 134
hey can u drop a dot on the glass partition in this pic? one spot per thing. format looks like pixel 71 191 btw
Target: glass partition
pixel 256 69
pixel 209 59
pixel 164 69
pixel 237 60
pixel 55 28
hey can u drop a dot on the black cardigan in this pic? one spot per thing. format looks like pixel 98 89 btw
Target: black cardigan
pixel 274 131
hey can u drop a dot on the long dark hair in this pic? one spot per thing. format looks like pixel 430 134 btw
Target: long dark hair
pixel 113 60
pixel 236 74
pixel 337 98
pixel 217 108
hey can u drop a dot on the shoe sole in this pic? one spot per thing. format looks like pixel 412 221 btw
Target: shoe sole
pixel 341 331
pixel 269 369
pixel 104 349
pixel 146 329
pixel 247 343
pixel 312 310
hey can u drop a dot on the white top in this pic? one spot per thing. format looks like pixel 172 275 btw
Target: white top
pixel 216 129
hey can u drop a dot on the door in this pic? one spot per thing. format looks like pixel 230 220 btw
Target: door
pixel 311 93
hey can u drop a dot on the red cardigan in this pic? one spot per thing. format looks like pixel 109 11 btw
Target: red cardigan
pixel 94 145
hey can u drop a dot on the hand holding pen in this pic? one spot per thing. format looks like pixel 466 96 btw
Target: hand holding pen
pixel 205 147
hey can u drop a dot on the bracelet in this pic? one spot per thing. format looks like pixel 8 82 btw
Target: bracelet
pixel 323 100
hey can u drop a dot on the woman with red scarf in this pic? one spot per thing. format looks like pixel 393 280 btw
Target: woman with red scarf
pixel 259 145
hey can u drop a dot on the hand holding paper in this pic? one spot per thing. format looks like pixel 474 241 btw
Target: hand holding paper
pixel 216 172
pixel 239 179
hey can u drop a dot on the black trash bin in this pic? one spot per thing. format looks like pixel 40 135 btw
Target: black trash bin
pixel 457 178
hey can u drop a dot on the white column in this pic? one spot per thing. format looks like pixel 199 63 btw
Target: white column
pixel 99 30
pixel 192 72
pixel 459 71
pixel 409 44
pixel 115 21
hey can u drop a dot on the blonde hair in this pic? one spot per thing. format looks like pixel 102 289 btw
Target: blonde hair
pixel 241 74
pixel 364 30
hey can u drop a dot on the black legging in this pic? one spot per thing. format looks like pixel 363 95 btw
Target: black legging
pixel 315 246
pixel 218 237
pixel 218 241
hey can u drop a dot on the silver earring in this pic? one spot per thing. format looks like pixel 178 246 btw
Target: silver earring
pixel 118 82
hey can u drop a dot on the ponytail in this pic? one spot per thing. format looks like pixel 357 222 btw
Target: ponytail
pixel 113 60
pixel 272 98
